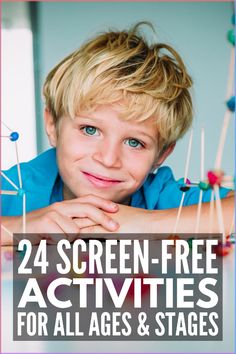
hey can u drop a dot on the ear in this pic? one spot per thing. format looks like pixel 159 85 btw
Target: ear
pixel 50 127
pixel 164 155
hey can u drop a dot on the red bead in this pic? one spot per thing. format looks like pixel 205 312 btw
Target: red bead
pixel 173 237
pixel 223 249
pixel 215 177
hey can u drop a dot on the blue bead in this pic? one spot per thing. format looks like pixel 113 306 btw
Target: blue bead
pixel 232 238
pixel 231 104
pixel 21 192
pixel 233 19
pixel 14 136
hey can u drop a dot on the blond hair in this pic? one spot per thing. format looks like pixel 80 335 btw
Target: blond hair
pixel 147 81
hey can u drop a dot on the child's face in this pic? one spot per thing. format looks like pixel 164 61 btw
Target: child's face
pixel 100 154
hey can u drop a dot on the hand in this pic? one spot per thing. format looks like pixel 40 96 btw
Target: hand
pixel 130 219
pixel 67 217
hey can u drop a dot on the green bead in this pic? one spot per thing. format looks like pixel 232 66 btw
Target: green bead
pixel 231 36
pixel 203 186
pixel 190 242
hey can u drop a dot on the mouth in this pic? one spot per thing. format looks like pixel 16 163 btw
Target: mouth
pixel 100 181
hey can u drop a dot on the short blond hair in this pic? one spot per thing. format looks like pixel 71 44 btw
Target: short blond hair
pixel 147 81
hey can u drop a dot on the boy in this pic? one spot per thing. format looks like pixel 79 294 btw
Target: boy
pixel 114 111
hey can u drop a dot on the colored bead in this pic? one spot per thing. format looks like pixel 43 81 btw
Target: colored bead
pixel 9 255
pixel 14 136
pixel 182 181
pixel 184 188
pixel 231 104
pixel 232 238
pixel 215 177
pixel 231 36
pixel 190 242
pixel 21 192
pixel 173 237
pixel 233 19
pixel 223 249
pixel 204 186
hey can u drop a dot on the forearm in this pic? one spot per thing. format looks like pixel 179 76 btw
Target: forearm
pixel 10 225
pixel 164 221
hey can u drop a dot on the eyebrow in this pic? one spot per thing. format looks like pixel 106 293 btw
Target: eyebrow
pixel 132 133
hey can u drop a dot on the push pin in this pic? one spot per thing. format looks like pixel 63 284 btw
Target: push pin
pixel 14 136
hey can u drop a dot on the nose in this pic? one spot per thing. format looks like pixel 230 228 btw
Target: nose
pixel 108 153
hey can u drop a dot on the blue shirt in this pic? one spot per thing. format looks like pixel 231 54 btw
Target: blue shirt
pixel 43 186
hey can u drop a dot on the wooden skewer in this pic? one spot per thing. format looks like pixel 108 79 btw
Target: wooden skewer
pixel 24 214
pixel 7 231
pixel 8 192
pixel 199 207
pixel 18 166
pixel 228 113
pixel 185 179
pixel 211 211
pixel 8 179
pixel 219 212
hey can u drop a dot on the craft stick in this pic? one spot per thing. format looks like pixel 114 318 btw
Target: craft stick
pixel 211 211
pixel 5 136
pixel 8 192
pixel 24 214
pixel 219 212
pixel 7 231
pixel 8 179
pixel 7 127
pixel 18 166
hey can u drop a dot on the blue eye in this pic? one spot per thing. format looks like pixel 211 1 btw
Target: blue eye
pixel 134 143
pixel 89 130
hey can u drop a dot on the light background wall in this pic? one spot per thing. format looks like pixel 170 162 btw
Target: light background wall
pixel 197 30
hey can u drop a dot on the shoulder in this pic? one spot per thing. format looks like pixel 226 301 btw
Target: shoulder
pixel 38 177
pixel 148 195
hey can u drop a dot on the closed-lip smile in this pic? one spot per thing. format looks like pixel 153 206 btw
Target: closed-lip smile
pixel 99 180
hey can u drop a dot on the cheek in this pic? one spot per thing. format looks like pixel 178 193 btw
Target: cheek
pixel 140 168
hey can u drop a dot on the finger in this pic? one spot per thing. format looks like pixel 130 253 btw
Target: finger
pixel 98 216
pixel 94 229
pixel 83 210
pixel 84 222
pixel 101 203
pixel 66 225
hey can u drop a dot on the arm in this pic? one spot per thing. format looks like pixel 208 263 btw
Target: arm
pixel 135 220
pixel 67 217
